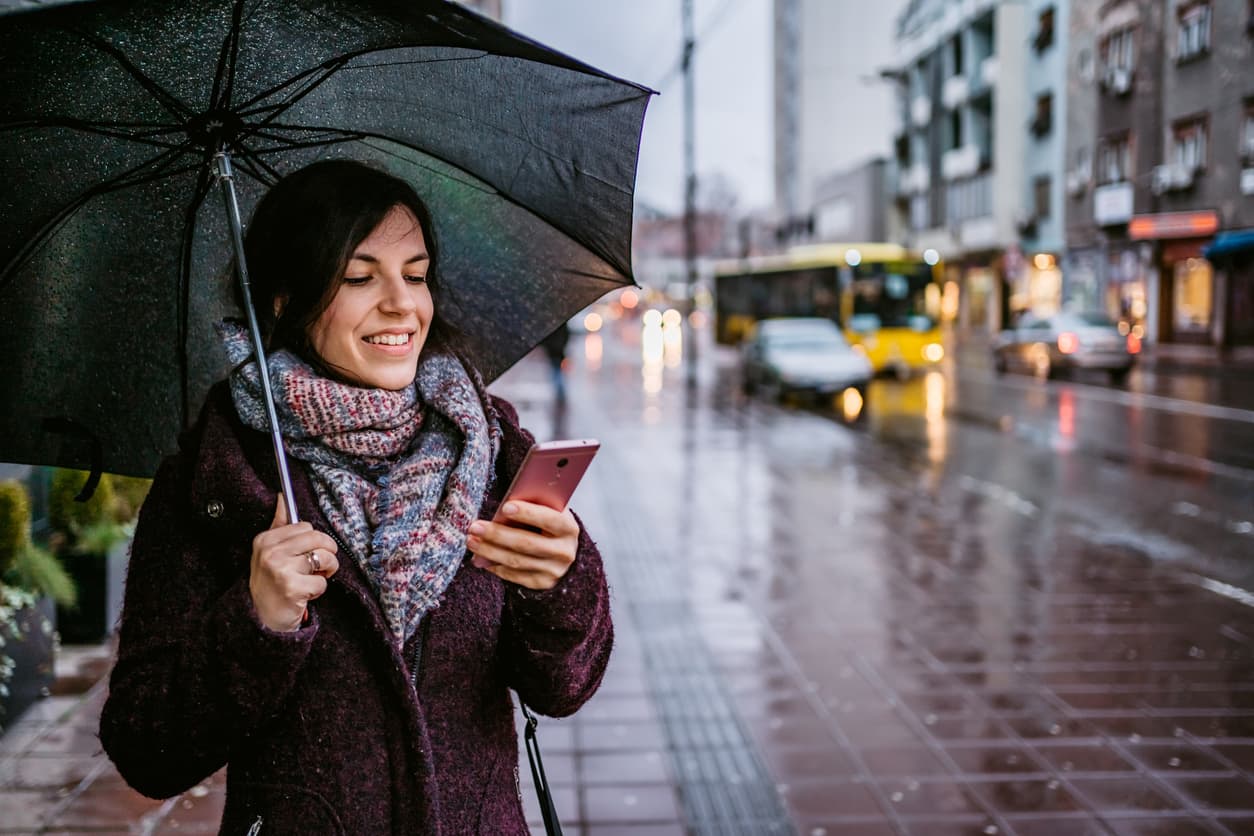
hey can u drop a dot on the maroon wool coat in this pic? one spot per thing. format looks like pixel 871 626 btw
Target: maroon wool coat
pixel 322 728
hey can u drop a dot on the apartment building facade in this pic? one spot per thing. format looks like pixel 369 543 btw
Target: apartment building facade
pixel 1160 178
pixel 959 147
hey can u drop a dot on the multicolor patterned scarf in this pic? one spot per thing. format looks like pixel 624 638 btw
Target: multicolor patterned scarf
pixel 400 475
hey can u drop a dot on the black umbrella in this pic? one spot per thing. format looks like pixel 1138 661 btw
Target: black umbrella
pixel 114 261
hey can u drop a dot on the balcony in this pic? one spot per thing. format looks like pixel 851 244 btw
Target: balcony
pixel 921 111
pixel 1112 204
pixel 955 91
pixel 960 162
pixel 914 179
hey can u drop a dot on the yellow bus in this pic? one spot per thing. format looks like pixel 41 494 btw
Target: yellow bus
pixel 885 298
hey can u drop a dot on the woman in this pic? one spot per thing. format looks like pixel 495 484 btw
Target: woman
pixel 352 670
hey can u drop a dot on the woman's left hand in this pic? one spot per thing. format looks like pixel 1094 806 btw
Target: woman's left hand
pixel 534 559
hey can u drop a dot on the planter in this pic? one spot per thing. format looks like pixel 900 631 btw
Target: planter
pixel 26 658
pixel 98 579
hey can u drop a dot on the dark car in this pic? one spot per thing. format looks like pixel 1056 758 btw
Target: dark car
pixel 1049 345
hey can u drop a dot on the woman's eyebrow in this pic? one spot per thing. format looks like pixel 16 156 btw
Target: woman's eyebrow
pixel 369 259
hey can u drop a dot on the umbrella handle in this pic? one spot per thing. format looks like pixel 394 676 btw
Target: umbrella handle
pixel 222 168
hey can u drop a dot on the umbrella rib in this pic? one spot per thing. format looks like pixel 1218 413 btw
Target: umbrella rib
pixel 185 273
pixel 227 58
pixel 159 164
pixel 167 99
pixel 97 128
pixel 304 83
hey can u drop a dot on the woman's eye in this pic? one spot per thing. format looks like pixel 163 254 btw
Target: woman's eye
pixel 416 279
pixel 356 280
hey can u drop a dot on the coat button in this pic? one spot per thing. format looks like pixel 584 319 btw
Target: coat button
pixel 214 509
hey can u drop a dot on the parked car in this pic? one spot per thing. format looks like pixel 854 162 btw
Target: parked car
pixel 801 355
pixel 1047 346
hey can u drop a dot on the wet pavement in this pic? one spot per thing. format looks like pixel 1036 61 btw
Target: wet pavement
pixel 986 606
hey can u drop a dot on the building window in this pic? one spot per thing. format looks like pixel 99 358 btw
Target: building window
pixel 956 55
pixel 1043 121
pixel 954 130
pixel 1041 188
pixel 1118 60
pixel 1044 30
pixel 1247 134
pixel 920 218
pixel 1188 144
pixel 1193 31
pixel 1114 159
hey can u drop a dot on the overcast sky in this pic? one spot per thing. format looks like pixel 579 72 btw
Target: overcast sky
pixel 640 41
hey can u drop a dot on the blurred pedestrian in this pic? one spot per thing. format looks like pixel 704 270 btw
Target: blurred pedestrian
pixel 350 670
pixel 555 349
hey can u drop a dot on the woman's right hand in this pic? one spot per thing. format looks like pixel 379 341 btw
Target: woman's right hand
pixel 281 577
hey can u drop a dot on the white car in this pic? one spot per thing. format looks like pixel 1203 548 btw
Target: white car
pixel 802 355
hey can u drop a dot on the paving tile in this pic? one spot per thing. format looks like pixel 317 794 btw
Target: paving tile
pixel 107 806
pixel 1027 795
pixel 594 737
pixel 990 758
pixel 631 804
pixel 1110 795
pixel 1220 794
pixel 565 800
pixel 831 800
pixel 936 796
pixel 1160 825
pixel 26 810
pixel 826 827
pixel 916 761
pixel 808 763
pixel 1058 826
pixel 1076 757
pixel 1178 756
pixel 643 767
pixel 668 829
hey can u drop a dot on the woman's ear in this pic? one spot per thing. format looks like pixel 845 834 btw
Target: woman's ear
pixel 280 302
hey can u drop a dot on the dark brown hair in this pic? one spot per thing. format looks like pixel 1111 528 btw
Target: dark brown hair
pixel 301 237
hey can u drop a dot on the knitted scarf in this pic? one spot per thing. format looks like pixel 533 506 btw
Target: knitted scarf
pixel 400 475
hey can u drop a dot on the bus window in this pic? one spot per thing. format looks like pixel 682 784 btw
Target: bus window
pixel 890 296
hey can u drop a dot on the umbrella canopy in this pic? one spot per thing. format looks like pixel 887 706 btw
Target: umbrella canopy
pixel 115 254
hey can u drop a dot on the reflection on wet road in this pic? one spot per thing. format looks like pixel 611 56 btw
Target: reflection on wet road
pixel 986 607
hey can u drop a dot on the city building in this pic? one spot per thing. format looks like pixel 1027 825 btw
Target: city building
pixel 849 205
pixel 831 109
pixel 1159 243
pixel 960 141
pixel 1038 284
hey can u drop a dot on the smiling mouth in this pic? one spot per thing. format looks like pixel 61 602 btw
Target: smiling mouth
pixel 389 339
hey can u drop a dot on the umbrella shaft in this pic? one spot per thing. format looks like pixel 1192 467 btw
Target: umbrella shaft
pixel 222 163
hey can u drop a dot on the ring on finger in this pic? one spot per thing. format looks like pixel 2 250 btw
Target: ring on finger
pixel 315 563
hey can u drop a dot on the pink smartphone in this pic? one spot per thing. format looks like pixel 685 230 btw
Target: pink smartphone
pixel 551 472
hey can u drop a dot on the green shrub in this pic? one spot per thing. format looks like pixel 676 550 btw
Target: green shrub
pixel 66 516
pixel 38 570
pixel 129 494
pixel 22 564
pixel 14 523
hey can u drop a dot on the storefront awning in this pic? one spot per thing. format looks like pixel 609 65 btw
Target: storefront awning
pixel 1230 243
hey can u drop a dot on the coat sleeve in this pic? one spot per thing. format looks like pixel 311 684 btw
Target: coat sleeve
pixel 555 643
pixel 197 674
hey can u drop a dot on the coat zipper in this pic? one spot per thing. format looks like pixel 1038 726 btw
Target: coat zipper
pixel 256 828
pixel 419 637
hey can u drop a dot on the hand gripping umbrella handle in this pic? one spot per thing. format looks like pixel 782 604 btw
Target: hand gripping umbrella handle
pixel 222 164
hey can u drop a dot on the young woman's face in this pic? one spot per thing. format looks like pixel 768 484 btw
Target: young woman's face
pixel 378 321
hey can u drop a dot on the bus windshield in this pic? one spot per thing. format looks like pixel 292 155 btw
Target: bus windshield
pixel 890 295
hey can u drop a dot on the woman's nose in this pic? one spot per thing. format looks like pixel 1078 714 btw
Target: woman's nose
pixel 398 295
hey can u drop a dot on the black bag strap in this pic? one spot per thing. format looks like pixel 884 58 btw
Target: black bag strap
pixel 552 827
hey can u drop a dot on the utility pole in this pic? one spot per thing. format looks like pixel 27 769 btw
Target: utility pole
pixel 690 192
